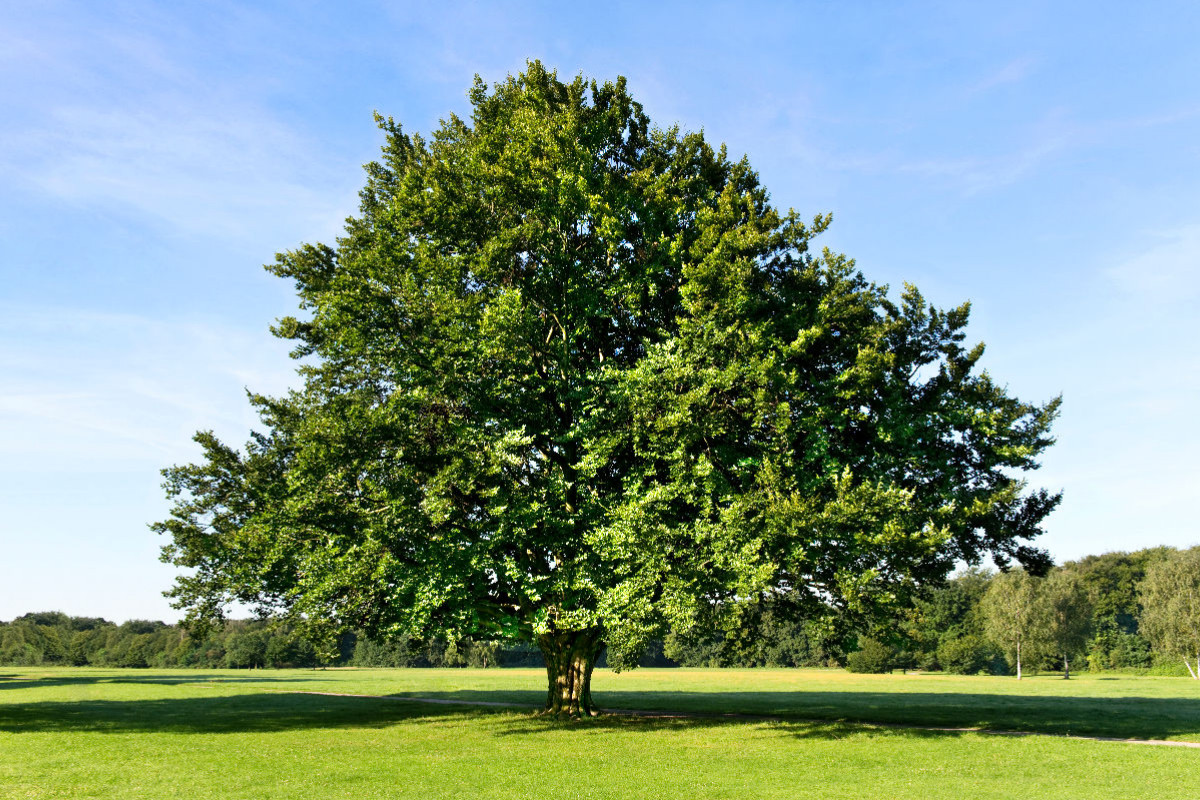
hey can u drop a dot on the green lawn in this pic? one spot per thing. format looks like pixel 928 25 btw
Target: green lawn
pixel 164 733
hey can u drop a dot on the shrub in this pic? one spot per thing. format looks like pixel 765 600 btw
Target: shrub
pixel 1111 649
pixel 872 657
pixel 967 655
pixel 1168 668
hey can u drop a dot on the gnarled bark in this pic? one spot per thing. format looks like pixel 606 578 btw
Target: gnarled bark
pixel 570 657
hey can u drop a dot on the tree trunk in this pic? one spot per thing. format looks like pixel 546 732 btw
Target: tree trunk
pixel 570 657
pixel 1066 668
pixel 1195 673
pixel 1018 661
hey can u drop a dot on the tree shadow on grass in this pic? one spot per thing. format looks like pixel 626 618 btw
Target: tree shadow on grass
pixel 271 712
pixel 531 725
pixel 24 681
pixel 1120 717
pixel 1126 717
pixel 805 714
pixel 243 713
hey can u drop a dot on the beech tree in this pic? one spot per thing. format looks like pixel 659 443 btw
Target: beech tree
pixel 572 378
pixel 1170 598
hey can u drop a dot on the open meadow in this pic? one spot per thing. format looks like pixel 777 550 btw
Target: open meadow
pixel 253 734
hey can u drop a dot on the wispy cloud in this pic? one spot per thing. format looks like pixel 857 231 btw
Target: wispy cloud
pixel 1167 271
pixel 217 173
pixel 1012 72
pixel 106 388
pixel 975 174
pixel 122 121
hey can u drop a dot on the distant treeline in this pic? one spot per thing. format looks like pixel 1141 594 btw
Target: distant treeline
pixel 950 629
pixel 946 631
pixel 57 639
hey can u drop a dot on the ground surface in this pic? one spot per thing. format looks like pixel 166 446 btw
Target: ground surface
pixel 235 734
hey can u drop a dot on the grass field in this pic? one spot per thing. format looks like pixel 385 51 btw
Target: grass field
pixel 238 734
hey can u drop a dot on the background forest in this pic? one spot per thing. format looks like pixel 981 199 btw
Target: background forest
pixel 948 630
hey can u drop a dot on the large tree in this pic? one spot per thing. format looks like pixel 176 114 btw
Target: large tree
pixel 572 378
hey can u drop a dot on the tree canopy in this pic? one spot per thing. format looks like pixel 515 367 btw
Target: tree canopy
pixel 1170 595
pixel 1010 617
pixel 571 377
pixel 1063 614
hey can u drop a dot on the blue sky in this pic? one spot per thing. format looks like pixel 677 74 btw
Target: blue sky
pixel 1039 159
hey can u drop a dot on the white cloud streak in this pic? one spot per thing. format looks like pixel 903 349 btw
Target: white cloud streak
pixel 1014 71
pixel 200 172
pixel 122 122
pixel 97 389
pixel 1168 271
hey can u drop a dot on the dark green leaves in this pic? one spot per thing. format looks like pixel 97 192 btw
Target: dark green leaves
pixel 568 370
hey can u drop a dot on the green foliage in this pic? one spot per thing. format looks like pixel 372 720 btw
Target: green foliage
pixel 569 373
pixel 290 650
pixel 398 652
pixel 1173 668
pixel 14 649
pixel 1063 616
pixel 945 630
pixel 483 654
pixel 1009 609
pixel 970 655
pixel 756 634
pixel 942 614
pixel 90 641
pixel 235 644
pixel 695 650
pixel 1170 598
pixel 246 649
pixel 1111 581
pixel 872 656
pixel 1113 649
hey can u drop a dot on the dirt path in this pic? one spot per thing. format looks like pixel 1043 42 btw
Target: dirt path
pixel 633 712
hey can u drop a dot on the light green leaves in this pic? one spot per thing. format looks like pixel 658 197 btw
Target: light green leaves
pixel 565 369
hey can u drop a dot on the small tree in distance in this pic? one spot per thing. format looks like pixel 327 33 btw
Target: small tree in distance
pixel 1170 597
pixel 573 379
pixel 1063 615
pixel 1010 609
